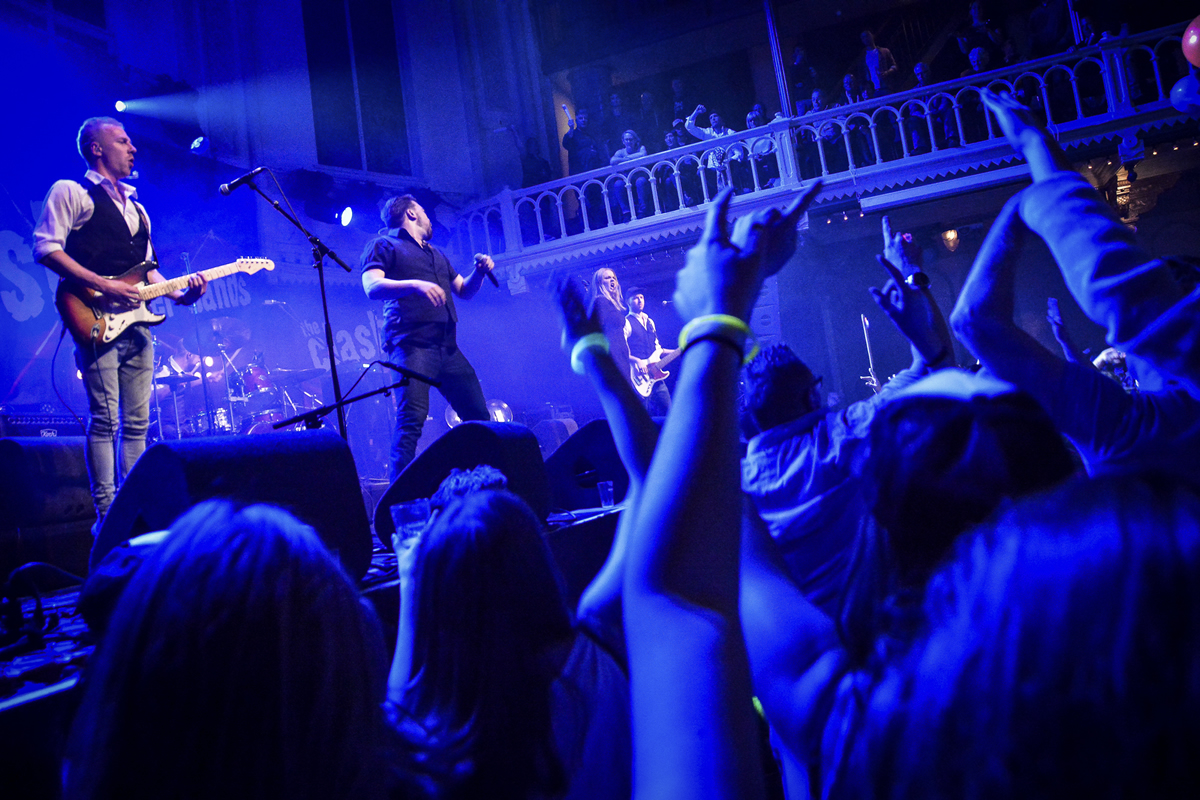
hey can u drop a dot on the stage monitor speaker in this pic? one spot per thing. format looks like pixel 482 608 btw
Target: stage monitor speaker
pixel 46 509
pixel 310 473
pixel 507 446
pixel 582 461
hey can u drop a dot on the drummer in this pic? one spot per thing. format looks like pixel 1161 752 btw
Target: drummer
pixel 172 398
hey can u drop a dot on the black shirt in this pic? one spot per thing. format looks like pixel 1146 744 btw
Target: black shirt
pixel 401 258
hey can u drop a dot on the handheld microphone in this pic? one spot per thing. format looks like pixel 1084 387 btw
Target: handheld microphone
pixel 226 188
pixel 479 257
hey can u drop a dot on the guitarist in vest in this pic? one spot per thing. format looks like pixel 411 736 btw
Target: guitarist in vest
pixel 645 353
pixel 92 232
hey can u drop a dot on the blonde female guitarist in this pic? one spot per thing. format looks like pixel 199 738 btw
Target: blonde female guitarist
pixel 96 237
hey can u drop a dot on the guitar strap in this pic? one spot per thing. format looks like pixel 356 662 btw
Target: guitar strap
pixel 146 224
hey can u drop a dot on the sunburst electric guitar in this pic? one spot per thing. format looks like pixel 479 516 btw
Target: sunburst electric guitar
pixel 93 317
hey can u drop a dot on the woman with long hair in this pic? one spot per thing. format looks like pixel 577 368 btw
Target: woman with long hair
pixel 240 662
pixel 492 690
pixel 604 296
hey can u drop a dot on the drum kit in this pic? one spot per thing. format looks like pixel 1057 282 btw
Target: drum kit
pixel 193 398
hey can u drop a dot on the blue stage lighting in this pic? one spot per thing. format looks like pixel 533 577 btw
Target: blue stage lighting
pixel 120 105
pixel 346 215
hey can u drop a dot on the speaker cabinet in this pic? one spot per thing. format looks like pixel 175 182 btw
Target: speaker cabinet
pixel 507 446
pixel 310 473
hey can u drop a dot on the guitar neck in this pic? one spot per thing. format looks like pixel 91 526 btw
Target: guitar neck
pixel 153 290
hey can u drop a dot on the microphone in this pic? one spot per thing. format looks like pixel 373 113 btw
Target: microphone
pixel 274 303
pixel 479 257
pixel 668 302
pixel 226 188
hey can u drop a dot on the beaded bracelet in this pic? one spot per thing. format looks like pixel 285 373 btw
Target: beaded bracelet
pixel 724 328
pixel 591 341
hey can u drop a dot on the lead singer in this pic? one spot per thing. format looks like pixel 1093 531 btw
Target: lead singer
pixel 417 284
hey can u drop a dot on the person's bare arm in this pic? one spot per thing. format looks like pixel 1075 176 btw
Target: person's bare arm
pixel 983 316
pixel 634 435
pixel 379 287
pixel 694 728
pixel 66 267
pixel 468 287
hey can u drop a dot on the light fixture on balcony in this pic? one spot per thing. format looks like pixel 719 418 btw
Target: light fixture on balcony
pixel 950 239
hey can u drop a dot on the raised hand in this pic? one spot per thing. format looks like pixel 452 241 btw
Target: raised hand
pixel 914 313
pixel 577 319
pixel 724 274
pixel 773 233
pixel 898 248
pixel 1015 120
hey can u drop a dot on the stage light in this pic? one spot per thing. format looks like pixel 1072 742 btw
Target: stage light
pixel 950 239
pixel 120 105
pixel 208 361
pixel 346 216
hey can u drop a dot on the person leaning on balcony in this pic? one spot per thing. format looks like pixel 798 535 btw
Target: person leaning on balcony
pixel 633 148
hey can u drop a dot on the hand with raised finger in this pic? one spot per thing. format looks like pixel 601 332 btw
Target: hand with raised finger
pixel 914 313
pixel 899 249
pixel 718 278
pixel 771 233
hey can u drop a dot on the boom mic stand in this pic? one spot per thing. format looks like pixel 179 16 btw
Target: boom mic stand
pixel 319 251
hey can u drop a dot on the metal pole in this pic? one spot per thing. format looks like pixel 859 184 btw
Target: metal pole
pixel 785 98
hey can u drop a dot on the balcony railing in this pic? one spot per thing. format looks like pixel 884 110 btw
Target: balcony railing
pixel 891 149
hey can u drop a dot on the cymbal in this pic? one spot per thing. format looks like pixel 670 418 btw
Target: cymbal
pixel 296 375
pixel 175 380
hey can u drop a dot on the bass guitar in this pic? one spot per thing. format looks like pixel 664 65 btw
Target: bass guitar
pixel 644 384
pixel 93 317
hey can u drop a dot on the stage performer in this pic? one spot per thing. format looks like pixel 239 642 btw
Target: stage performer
pixel 417 284
pixel 91 232
pixel 645 353
pixel 604 295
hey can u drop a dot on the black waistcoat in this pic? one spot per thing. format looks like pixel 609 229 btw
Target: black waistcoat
pixel 103 243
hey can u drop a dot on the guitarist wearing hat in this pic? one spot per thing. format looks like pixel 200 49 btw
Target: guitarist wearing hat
pixel 93 233
pixel 647 356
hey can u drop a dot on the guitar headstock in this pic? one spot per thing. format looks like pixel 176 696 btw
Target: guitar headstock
pixel 253 265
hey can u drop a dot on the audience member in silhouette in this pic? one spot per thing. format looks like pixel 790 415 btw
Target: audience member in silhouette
pixel 240 663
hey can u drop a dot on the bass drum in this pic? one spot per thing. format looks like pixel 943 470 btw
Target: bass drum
pixel 261 393
pixel 197 425
pixel 264 422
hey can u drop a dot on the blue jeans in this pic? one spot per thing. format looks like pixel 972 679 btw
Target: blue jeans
pixel 118 379
pixel 445 363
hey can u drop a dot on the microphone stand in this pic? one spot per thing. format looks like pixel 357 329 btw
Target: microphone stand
pixel 319 250
pixel 209 417
pixel 312 417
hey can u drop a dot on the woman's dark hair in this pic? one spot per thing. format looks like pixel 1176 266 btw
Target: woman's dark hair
pixel 1062 660
pixel 488 608
pixel 239 663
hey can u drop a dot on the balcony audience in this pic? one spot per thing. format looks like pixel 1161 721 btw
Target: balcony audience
pixel 881 67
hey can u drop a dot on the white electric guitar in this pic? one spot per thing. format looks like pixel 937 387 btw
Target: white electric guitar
pixel 644 384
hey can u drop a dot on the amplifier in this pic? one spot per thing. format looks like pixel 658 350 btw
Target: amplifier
pixel 37 420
